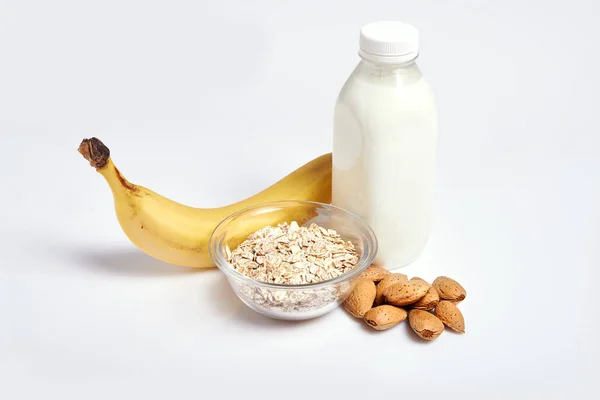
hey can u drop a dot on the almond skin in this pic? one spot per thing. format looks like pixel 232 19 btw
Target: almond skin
pixel 429 301
pixel 388 281
pixel 449 289
pixel 416 278
pixel 425 324
pixel 375 273
pixel 385 317
pixel 450 315
pixel 403 294
pixel 361 299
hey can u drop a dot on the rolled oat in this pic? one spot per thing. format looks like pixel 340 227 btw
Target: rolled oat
pixel 290 254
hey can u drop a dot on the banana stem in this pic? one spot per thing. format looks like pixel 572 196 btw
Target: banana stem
pixel 95 152
pixel 98 155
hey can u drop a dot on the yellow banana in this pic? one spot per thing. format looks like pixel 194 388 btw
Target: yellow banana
pixel 179 234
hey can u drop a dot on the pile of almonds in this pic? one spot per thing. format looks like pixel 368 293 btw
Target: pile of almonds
pixel 382 299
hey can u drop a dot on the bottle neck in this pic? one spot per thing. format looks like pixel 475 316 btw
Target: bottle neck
pixel 390 73
pixel 389 64
pixel 396 60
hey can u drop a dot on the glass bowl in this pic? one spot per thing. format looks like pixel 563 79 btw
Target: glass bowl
pixel 292 302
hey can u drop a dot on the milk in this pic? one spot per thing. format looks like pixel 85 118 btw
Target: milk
pixel 385 133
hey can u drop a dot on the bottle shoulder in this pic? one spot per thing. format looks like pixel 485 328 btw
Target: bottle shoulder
pixel 366 90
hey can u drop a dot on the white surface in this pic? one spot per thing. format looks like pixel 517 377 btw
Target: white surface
pixel 84 315
pixel 389 41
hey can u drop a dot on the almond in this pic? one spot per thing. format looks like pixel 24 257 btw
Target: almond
pixel 388 281
pixel 416 278
pixel 384 317
pixel 425 324
pixel 375 273
pixel 429 301
pixel 361 299
pixel 450 315
pixel 449 289
pixel 402 294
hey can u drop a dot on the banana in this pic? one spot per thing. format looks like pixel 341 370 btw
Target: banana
pixel 179 234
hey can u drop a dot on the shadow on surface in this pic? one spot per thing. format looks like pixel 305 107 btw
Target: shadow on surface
pixel 125 262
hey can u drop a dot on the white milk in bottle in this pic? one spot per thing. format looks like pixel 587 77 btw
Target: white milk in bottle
pixel 385 134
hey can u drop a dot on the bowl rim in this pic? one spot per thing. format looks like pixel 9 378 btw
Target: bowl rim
pixel 363 263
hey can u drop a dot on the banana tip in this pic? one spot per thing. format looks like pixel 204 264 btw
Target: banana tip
pixel 94 151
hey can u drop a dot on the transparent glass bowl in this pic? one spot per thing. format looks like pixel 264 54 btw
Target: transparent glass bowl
pixel 292 302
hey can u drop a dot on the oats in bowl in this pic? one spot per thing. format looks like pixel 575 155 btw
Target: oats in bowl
pixel 292 255
pixel 292 259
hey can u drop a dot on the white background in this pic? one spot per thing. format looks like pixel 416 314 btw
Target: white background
pixel 210 102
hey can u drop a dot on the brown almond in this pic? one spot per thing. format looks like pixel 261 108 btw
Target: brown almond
pixel 425 324
pixel 375 273
pixel 449 289
pixel 429 301
pixel 403 294
pixel 416 278
pixel 384 317
pixel 361 299
pixel 388 281
pixel 450 315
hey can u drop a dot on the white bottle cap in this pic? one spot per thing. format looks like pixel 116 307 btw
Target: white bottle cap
pixel 389 42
